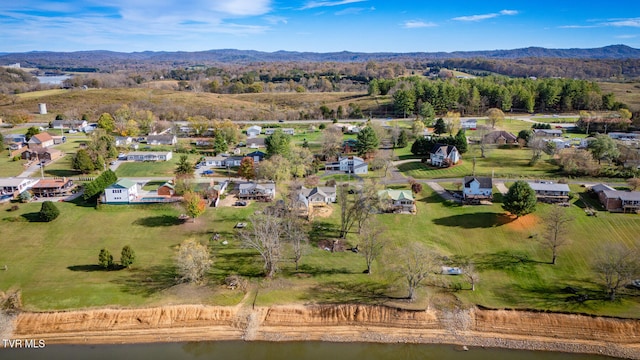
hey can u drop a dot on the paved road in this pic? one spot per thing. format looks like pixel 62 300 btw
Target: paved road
pixel 441 191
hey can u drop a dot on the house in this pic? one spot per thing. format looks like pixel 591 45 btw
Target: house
pixel 620 201
pixel 15 186
pixel 221 161
pixel 122 191
pixel 162 139
pixel 69 124
pixel 397 201
pixel 167 189
pixel 319 195
pixel 15 138
pixel 59 139
pixel 257 156
pixel 42 140
pixel 349 145
pixel 42 154
pixel 470 124
pixel 500 138
pixel 598 188
pixel 255 143
pixel 444 155
pixel 624 136
pixel 254 131
pixel 123 140
pixel 561 143
pixel 255 191
pixel 477 188
pixel 203 142
pixel 348 164
pixel 548 191
pixel 52 187
pixel 149 156
pixel 548 132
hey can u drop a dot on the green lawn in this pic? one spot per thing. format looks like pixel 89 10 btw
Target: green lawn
pixel 507 163
pixel 8 167
pixel 54 263
pixel 151 169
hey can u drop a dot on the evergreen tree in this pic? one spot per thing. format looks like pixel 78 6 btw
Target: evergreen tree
pixel 31 132
pixel 367 141
pixel 48 211
pixel 440 127
pixel 107 122
pixel 403 139
pixel 127 256
pixel 461 141
pixel 520 199
pixel 184 168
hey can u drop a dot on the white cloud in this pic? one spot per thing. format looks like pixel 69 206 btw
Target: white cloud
pixel 416 24
pixel 509 12
pixel 577 26
pixel 633 22
pixel 353 10
pixel 275 20
pixel 317 4
pixel 243 7
pixel 481 17
pixel 626 36
pixel 475 17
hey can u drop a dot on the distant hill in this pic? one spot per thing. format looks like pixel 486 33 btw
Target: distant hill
pixel 102 58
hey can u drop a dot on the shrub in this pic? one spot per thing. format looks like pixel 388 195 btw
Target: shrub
pixel 105 259
pixel 48 212
pixel 127 256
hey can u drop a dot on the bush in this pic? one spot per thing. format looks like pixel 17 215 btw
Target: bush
pixel 127 256
pixel 48 212
pixel 105 259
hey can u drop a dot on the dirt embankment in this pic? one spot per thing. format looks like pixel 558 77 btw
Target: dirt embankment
pixel 344 323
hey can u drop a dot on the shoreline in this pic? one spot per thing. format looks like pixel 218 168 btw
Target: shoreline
pixel 510 329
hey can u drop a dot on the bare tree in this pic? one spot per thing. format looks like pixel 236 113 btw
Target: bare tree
pixel 331 142
pixel 470 273
pixel 415 263
pixel 556 222
pixel 483 140
pixel 633 183
pixel 294 233
pixel 264 236
pixel 537 146
pixel 616 265
pixel 193 261
pixel 371 243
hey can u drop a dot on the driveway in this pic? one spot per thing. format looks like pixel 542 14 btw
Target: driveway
pixel 441 191
pixel 501 187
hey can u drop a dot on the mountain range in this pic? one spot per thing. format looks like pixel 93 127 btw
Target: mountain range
pixel 98 58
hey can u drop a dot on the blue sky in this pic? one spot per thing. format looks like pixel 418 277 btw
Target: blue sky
pixel 314 25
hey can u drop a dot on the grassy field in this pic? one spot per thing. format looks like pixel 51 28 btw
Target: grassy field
pixel 54 264
pixel 8 167
pixel 151 169
pixel 628 93
pixel 502 163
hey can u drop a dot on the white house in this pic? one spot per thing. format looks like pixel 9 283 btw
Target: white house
pixel 548 191
pixel 477 188
pixel 123 140
pixel 162 139
pixel 69 124
pixel 255 191
pixel 444 155
pixel 348 164
pixel 15 185
pixel 319 195
pixel 548 132
pixel 470 124
pixel 149 156
pixel 254 131
pixel 123 191
pixel 221 161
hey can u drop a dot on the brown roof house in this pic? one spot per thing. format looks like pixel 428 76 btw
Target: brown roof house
pixel 42 140
pixel 500 138
pixel 52 187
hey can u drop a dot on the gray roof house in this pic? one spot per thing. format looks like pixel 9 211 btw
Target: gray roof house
pixel 548 191
pixel 162 139
pixel 477 188
pixel 255 191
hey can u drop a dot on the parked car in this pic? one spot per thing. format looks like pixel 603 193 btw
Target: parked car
pixel 207 172
pixel 635 284
pixel 240 203
pixel 240 225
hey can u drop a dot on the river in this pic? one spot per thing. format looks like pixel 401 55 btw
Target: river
pixel 231 350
